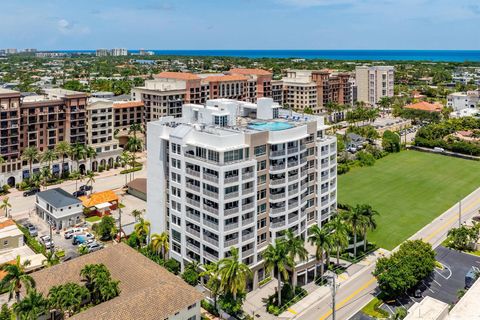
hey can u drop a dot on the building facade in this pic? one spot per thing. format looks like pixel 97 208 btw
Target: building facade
pixel 117 52
pixel 237 174
pixel 464 100
pixel 374 83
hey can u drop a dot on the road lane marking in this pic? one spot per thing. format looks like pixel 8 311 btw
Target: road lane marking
pixel 292 311
pixel 350 297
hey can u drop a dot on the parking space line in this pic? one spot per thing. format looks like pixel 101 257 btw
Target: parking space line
pixel 428 287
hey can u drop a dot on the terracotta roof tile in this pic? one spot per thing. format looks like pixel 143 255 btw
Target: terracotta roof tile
pixel 96 198
pixel 225 78
pixel 425 106
pixel 128 104
pixel 6 223
pixel 246 71
pixel 178 75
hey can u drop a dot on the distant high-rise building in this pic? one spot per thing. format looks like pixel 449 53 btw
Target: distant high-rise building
pixel 373 83
pixel 102 52
pixel 117 52
pixel 30 50
pixel 11 51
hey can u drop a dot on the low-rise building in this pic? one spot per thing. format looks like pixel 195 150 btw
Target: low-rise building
pixel 464 100
pixel 147 290
pixel 59 208
pixel 425 106
pixel 138 188
pixel 100 203
pixel 10 236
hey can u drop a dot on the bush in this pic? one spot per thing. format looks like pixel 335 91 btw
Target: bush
pixel 172 265
pixel 373 309
pixel 265 281
pixel 191 277
pixel 289 298
pixel 209 307
pixel 391 141
pixel 106 228
pixel 231 306
pixel 31 241
pixel 131 170
pixel 366 159
pixel 342 168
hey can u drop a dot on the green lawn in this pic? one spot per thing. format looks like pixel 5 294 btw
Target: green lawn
pixel 408 189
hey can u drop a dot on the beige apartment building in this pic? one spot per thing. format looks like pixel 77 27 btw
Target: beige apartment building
pixel 373 83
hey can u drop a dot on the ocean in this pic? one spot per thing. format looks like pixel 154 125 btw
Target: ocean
pixel 370 55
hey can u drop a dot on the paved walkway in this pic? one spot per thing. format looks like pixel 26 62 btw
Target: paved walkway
pixel 254 302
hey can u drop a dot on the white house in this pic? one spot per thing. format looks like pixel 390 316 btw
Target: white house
pixel 59 208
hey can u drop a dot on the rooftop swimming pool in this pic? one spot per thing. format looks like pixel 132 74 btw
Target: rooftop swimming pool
pixel 270 126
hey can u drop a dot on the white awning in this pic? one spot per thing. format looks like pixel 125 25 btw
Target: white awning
pixel 104 205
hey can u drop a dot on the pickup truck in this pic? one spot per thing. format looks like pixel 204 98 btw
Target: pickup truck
pixel 82 238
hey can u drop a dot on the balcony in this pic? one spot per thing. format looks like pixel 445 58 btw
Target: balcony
pixel 247 253
pixel 193 217
pixel 292 163
pixel 292 191
pixel 232 179
pixel 277 224
pixel 292 178
pixel 292 150
pixel 228 212
pixel 293 204
pixel 193 231
pixel 210 177
pixel 248 175
pixel 193 247
pixel 277 167
pixel 231 195
pixel 231 226
pixel 277 153
pixel 210 224
pixel 275 182
pixel 193 187
pixel 210 209
pixel 231 242
pixel 277 196
pixel 194 203
pixel 248 236
pixel 193 172
pixel 247 191
pixel 210 240
pixel 248 206
pixel 210 256
pixel 303 147
pixel 247 221
pixel 210 194
pixel 293 219
pixel 277 210
pixel 324 190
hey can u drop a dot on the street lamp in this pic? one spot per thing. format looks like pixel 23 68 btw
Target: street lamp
pixel 332 281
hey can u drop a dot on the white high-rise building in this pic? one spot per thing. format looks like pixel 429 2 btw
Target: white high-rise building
pixel 117 52
pixel 464 100
pixel 238 174
pixel 374 83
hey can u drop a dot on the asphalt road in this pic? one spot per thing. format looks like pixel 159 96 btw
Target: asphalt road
pixel 359 290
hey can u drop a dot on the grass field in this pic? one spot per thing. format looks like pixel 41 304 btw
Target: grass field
pixel 409 189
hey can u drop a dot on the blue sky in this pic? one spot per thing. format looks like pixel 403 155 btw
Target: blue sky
pixel 240 24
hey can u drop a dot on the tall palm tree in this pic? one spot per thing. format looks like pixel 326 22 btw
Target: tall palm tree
pixel 134 145
pixel 15 277
pixel 76 175
pixel 369 222
pixel 48 156
pixel 136 213
pixel 5 205
pixel 45 175
pixel 296 248
pixel 30 154
pixel 32 306
pixel 278 257
pixel 125 160
pixel 339 230
pixel 233 274
pixel 160 243
pixel 91 154
pixel 135 127
pixel 354 218
pixel 321 238
pixel 78 152
pixel 213 282
pixel 90 179
pixel 142 229
pixel 62 149
pixel 67 298
pixel 51 259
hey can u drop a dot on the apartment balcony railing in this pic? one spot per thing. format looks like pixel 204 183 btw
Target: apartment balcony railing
pixel 324 203
pixel 247 190
pixel 292 178
pixel 193 217
pixel 231 179
pixel 247 221
pixel 210 256
pixel 193 187
pixel 210 209
pixel 277 153
pixel 210 240
pixel 292 163
pixel 325 165
pixel 277 224
pixel 303 173
pixel 292 150
pixel 324 153
pixel 311 169
pixel 194 232
pixel 210 194
pixel 193 247
pixel 231 195
pixel 231 226
pixel 193 172
pixel 303 160
pixel 277 167
pixel 292 191
pixel 303 147
pixel 210 224
pixel 277 196
pixel 293 204
pixel 248 236
pixel 247 253
pixel 231 242
pixel 228 212
pixel 262 245
pixel 248 175
pixel 210 177
pixel 277 210
pixel 247 206
pixel 275 182
pixel 293 219
pixel 193 202
pixel 324 190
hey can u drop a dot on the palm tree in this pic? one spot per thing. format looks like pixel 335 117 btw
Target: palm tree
pixel 278 257
pixel 354 218
pixel 16 277
pixel 2 160
pixel 48 157
pixel 213 282
pixel 135 127
pixel 321 238
pixel 90 179
pixel 32 306
pixel 91 154
pixel 45 175
pixel 5 205
pixel 369 222
pixel 62 149
pixel 136 213
pixel 67 298
pixel 233 274
pixel 125 160
pixel 51 259
pixel 296 248
pixel 78 152
pixel 160 242
pixel 76 175
pixel 134 145
pixel 142 229
pixel 30 154
pixel 339 232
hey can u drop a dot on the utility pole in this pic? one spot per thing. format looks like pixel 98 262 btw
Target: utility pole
pixel 120 222
pixel 333 276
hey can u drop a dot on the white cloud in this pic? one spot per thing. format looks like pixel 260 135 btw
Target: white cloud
pixel 66 27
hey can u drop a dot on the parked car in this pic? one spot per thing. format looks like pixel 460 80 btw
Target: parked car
pixel 31 192
pixel 69 233
pixel 47 242
pixel 82 238
pixel 79 193
pixel 94 246
pixel 85 187
pixel 32 230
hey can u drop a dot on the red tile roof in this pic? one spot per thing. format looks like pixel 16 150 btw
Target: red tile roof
pixel 128 104
pixel 225 78
pixel 245 71
pixel 6 223
pixel 425 106
pixel 177 75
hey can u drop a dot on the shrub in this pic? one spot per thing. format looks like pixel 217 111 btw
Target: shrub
pixel 289 298
pixel 209 307
pixel 265 281
pixel 131 170
pixel 31 241
pixel 190 276
pixel 172 265
pixel 106 228
pixel 366 159
pixel 391 141
pixel 343 168
pixel 231 306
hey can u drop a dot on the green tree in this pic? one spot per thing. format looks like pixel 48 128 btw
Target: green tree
pixel 213 282
pixel 142 229
pixel 32 306
pixel 356 221
pixel 278 258
pixel 30 154
pixel 63 150
pixel 68 298
pixel 136 213
pixel 5 312
pixel 90 180
pixel 51 259
pixel 322 239
pixel 339 234
pixel 91 154
pixel 15 277
pixel 106 228
pixel 233 274
pixel 160 243
pixel 48 157
pixel 135 128
pixel 45 176
pixel 391 141
pixel 5 205
pixel 99 283
pixel 369 222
